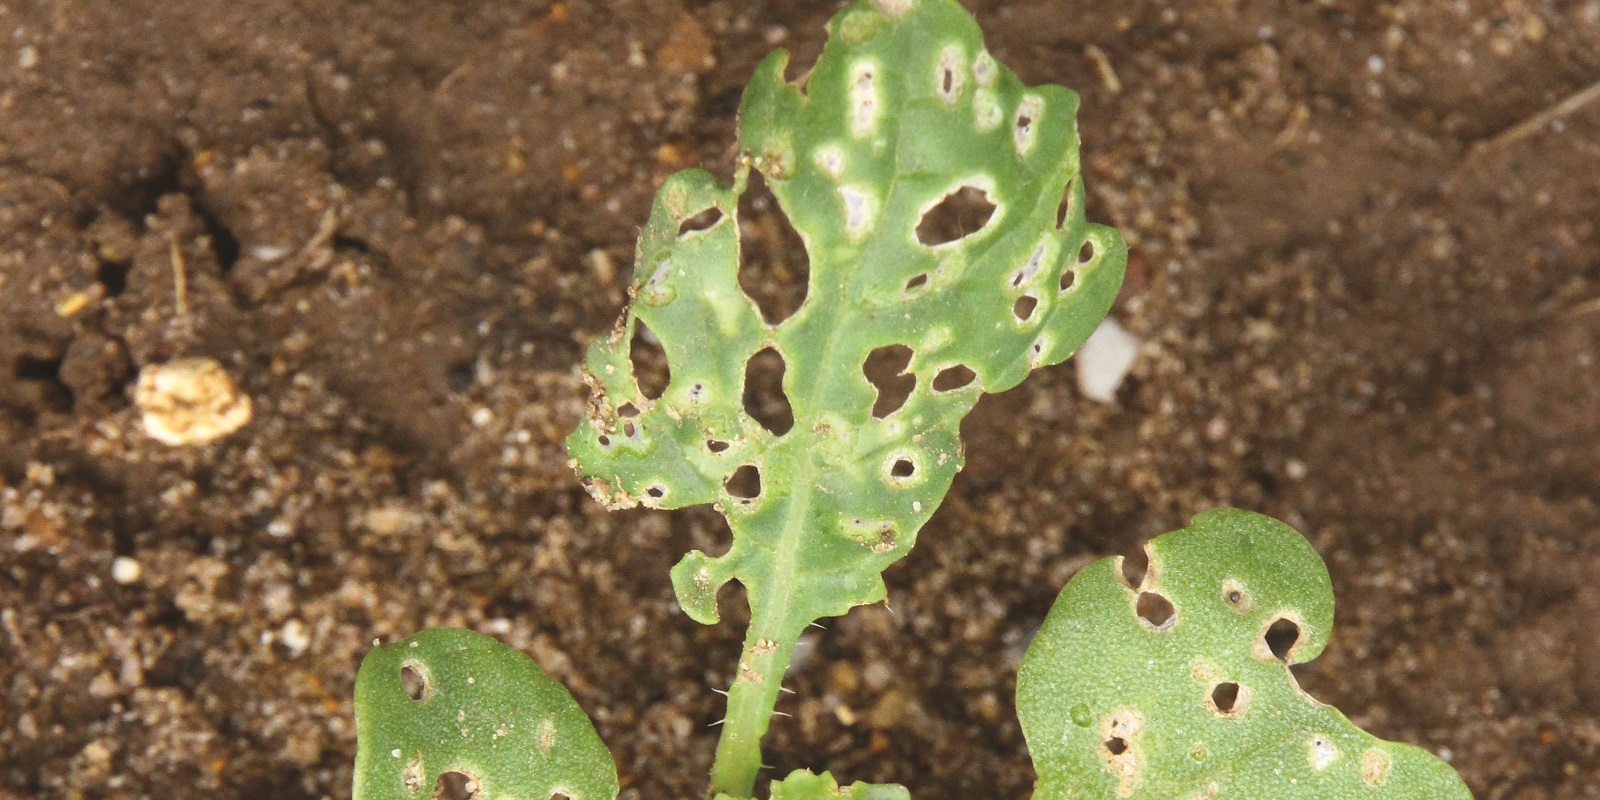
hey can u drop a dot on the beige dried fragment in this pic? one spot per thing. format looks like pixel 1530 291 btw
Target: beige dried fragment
pixel 190 401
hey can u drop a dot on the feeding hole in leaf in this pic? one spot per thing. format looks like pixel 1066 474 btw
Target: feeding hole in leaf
pixel 455 786
pixel 1225 698
pixel 958 215
pixel 744 483
pixel 1028 113
pixel 650 370
pixel 628 411
pixel 1235 596
pixel 917 282
pixel 774 268
pixel 415 680
pixel 1086 252
pixel 764 398
pixel 950 379
pixel 604 440
pixel 949 75
pixel 885 369
pixel 699 222
pixel 716 445
pixel 1280 638
pixel 1134 568
pixel 863 99
pixel 1156 610
pixel 656 492
pixel 1029 269
pixel 902 468
pixel 1064 209
pixel 1116 745
pixel 1068 277
pixel 1023 308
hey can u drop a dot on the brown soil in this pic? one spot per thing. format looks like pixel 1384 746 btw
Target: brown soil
pixel 1364 312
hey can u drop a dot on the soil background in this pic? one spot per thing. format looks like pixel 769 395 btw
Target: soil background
pixel 1368 302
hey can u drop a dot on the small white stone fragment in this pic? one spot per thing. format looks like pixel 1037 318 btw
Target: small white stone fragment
pixel 28 57
pixel 268 252
pixel 125 570
pixel 1105 360
pixel 189 401
pixel 295 637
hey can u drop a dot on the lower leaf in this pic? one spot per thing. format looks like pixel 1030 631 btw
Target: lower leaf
pixel 1180 689
pixel 450 701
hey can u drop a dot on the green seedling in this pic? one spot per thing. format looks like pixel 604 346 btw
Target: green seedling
pixel 904 111
pixel 941 209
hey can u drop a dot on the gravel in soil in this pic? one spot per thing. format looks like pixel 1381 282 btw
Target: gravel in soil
pixel 1369 302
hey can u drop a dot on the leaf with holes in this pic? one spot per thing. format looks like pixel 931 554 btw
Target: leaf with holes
pixel 452 702
pixel 1180 688
pixel 941 210
pixel 803 785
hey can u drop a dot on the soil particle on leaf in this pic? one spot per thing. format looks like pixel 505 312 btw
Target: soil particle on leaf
pixel 1362 309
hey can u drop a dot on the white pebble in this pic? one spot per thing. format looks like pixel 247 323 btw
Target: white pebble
pixel 189 401
pixel 125 570
pixel 1105 360
pixel 295 637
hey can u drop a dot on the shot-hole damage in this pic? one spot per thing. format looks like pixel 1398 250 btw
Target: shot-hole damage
pixel 885 369
pixel 774 269
pixel 1086 252
pixel 656 492
pixel 950 379
pixel 744 483
pixel 1235 596
pixel 917 281
pixel 1280 638
pixel 455 786
pixel 902 468
pixel 414 679
pixel 701 221
pixel 949 78
pixel 650 369
pixel 1024 307
pixel 1068 278
pixel 716 445
pixel 863 99
pixel 1134 567
pixel 1116 745
pixel 764 398
pixel 1156 610
pixel 1064 208
pixel 1225 698
pixel 960 214
pixel 1025 123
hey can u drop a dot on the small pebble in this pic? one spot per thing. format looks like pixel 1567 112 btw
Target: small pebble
pixel 1105 360
pixel 189 401
pixel 125 570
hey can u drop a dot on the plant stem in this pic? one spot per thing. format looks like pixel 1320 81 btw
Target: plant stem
pixel 751 699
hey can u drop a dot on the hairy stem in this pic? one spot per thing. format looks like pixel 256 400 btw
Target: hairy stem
pixel 751 700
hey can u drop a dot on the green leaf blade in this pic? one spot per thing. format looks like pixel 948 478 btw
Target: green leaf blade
pixel 1202 706
pixel 903 108
pixel 484 710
